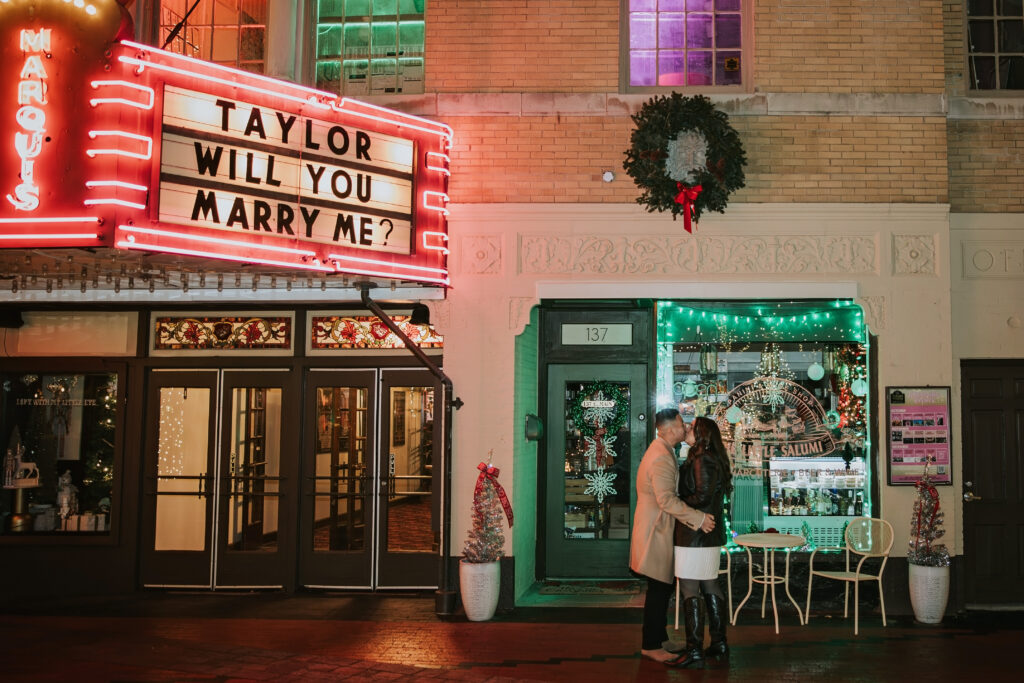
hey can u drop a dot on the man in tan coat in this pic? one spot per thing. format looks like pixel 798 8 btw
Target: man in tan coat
pixel 657 508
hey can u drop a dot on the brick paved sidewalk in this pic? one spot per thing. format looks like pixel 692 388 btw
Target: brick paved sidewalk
pixel 402 639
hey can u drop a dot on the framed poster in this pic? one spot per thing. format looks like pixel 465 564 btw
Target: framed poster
pixel 917 420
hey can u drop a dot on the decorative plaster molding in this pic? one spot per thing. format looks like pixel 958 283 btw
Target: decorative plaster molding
pixel 481 254
pixel 519 313
pixel 993 259
pixel 783 254
pixel 874 311
pixel 913 254
pixel 440 315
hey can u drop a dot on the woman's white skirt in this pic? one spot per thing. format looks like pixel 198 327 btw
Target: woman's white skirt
pixel 698 563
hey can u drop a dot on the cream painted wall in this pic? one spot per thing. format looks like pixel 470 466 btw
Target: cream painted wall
pixel 987 278
pixel 78 333
pixel 895 257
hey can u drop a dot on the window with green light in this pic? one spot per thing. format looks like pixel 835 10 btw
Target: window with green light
pixel 370 47
pixel 787 382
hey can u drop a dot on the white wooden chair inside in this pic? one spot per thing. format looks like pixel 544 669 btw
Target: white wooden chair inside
pixel 866 537
pixel 727 570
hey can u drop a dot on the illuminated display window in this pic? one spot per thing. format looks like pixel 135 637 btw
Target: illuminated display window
pixel 58 432
pixel 227 32
pixel 370 47
pixel 995 44
pixel 788 384
pixel 685 43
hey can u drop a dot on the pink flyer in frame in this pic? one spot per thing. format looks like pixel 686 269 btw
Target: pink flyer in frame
pixel 919 433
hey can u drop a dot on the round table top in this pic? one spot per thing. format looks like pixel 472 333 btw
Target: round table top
pixel 770 540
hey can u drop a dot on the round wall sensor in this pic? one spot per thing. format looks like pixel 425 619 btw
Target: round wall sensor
pixel 608 176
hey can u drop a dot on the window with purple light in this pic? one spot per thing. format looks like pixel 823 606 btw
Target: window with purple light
pixel 676 43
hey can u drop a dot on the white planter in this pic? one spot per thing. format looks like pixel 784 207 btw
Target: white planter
pixel 479 583
pixel 929 591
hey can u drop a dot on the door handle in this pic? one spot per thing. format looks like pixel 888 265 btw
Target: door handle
pixel 202 478
pixel 969 497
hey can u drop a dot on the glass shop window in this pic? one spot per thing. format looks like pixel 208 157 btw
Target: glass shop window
pixel 57 434
pixel 370 47
pixel 226 32
pixel 995 44
pixel 788 385
pixel 676 43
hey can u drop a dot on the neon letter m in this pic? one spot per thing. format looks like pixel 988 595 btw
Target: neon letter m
pixel 35 41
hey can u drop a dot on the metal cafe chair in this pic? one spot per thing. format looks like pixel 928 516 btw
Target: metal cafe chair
pixel 866 537
pixel 728 583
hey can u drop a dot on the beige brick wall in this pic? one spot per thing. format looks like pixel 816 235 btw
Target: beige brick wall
pixel 790 159
pixel 573 46
pixel 954 46
pixel 522 46
pixel 986 166
pixel 853 46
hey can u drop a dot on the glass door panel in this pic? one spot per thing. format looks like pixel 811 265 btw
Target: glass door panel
pixel 340 509
pixel 591 466
pixel 257 469
pixel 410 470
pixel 178 479
pixel 596 483
pixel 337 487
pixel 407 509
pixel 182 469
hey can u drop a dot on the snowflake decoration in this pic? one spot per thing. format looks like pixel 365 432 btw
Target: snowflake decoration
pixel 591 452
pixel 686 153
pixel 600 484
pixel 599 415
pixel 774 392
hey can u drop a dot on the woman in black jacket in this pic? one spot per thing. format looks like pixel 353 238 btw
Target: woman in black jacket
pixel 705 479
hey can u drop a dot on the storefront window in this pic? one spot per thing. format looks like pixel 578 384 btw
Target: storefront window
pixel 788 385
pixel 58 444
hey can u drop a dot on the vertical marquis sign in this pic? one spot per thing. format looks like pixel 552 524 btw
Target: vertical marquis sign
pixel 50 53
pixel 236 166
pixel 31 116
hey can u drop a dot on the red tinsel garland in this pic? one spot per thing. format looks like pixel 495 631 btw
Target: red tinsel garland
pixel 489 473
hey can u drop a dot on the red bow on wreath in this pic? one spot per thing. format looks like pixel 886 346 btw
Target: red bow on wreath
pixel 490 473
pixel 686 196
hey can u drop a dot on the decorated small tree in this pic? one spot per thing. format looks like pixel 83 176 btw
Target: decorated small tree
pixel 480 571
pixel 926 527
pixel 486 540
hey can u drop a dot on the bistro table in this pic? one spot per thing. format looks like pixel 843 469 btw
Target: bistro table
pixel 769 543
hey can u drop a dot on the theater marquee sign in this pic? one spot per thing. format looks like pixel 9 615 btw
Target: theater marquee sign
pixel 236 166
pixel 112 143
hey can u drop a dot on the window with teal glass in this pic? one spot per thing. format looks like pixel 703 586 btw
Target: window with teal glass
pixel 370 47
pixel 677 43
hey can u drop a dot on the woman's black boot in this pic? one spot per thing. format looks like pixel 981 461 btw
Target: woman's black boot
pixel 693 655
pixel 718 618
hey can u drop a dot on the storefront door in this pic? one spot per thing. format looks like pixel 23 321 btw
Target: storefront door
pixel 219 475
pixel 993 437
pixel 369 513
pixel 596 440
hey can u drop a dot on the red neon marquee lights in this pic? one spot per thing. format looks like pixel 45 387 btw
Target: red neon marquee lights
pixel 128 146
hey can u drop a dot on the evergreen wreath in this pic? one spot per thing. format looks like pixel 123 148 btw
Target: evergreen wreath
pixel 611 393
pixel 701 175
